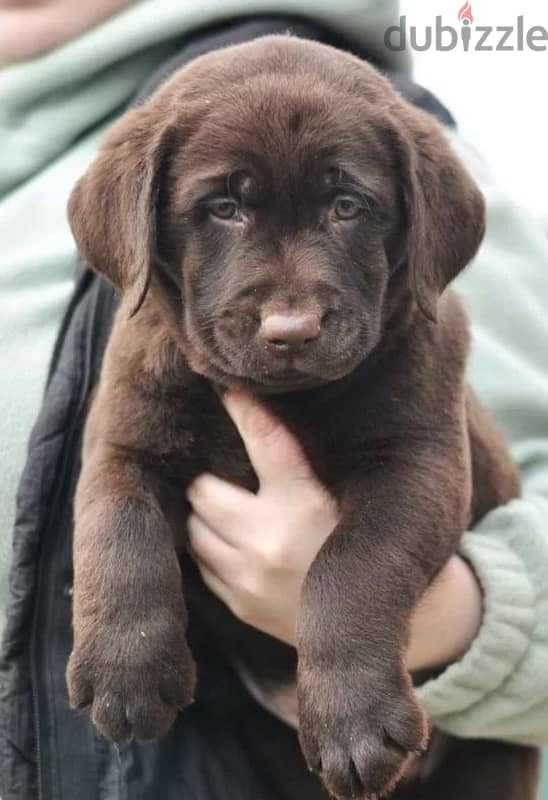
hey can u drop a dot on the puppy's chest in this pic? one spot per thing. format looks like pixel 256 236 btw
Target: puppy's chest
pixel 191 433
pixel 188 432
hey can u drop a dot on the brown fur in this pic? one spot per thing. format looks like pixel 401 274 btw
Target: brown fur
pixel 280 130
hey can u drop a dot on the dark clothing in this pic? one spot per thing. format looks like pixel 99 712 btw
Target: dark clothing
pixel 224 746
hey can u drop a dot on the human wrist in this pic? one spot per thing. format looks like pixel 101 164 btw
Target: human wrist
pixel 447 618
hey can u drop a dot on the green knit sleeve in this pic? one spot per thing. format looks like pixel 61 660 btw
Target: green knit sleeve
pixel 499 688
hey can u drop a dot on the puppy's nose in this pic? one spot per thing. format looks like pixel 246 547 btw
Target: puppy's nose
pixel 290 330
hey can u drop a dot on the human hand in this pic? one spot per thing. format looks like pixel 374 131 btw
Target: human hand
pixel 254 550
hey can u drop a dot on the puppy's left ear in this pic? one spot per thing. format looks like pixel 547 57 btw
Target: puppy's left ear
pixel 445 212
pixel 112 209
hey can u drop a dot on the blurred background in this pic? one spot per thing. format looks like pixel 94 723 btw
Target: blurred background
pixel 498 98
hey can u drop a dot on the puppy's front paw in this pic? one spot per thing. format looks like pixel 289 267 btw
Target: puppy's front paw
pixel 360 734
pixel 135 681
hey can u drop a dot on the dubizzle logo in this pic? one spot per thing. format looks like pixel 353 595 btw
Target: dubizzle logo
pixel 482 38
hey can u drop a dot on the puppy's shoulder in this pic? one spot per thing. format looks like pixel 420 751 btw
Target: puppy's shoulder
pixel 453 316
pixel 145 353
pixel 453 328
pixel 147 393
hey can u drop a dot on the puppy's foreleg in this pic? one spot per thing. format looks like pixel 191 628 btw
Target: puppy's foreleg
pixel 130 661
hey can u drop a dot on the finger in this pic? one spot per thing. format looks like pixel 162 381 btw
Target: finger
pixel 215 583
pixel 275 454
pixel 221 505
pixel 208 548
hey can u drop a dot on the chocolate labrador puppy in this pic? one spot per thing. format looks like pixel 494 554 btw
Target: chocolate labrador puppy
pixel 279 220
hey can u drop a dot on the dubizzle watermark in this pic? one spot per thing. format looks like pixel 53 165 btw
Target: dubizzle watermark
pixel 482 38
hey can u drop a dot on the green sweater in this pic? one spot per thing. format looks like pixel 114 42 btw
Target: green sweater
pixel 52 113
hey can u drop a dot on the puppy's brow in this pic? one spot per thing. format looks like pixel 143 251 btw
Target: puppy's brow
pixel 202 187
pixel 239 184
pixel 338 178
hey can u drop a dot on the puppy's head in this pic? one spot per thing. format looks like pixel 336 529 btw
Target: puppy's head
pixel 278 200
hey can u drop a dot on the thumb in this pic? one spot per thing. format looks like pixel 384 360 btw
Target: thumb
pixel 275 454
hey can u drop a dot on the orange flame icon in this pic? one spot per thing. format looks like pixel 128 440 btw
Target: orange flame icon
pixel 465 14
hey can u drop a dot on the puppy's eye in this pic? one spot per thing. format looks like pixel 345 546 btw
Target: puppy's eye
pixel 224 208
pixel 346 207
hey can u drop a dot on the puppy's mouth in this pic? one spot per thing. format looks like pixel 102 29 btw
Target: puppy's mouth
pixel 289 380
pixel 294 376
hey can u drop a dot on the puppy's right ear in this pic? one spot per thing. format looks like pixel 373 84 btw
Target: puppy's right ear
pixel 445 209
pixel 112 208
